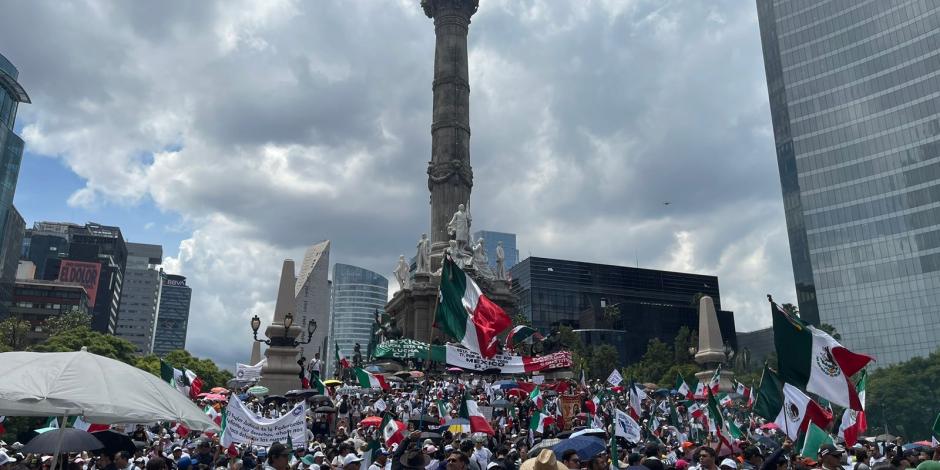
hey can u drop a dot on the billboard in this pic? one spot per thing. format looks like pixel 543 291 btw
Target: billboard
pixel 83 273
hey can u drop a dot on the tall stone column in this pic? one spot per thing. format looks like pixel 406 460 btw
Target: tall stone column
pixel 450 176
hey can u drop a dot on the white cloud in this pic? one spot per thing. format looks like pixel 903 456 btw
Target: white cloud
pixel 267 126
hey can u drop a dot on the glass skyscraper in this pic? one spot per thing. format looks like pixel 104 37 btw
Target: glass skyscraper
pixel 11 154
pixel 357 294
pixel 173 315
pixel 854 88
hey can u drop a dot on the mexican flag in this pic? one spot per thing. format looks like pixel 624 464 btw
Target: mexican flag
pixel 724 400
pixel 213 414
pixel 696 410
pixel 715 383
pixel 536 397
pixel 715 418
pixel 788 407
pixel 441 410
pixel 392 431
pixel 809 358
pixel 470 411
pixel 318 385
pixel 368 380
pixel 682 388
pixel 342 361
pixel 520 334
pixel 854 422
pixel 700 393
pixel 540 420
pixel 466 314
pixel 815 437
pixel 184 380
pixel 80 423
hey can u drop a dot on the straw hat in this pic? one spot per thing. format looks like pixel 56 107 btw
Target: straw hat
pixel 544 461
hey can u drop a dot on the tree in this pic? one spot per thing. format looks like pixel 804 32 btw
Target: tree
pixel 653 365
pixel 903 399
pixel 603 359
pixel 831 330
pixel 681 344
pixel 66 321
pixel 103 345
pixel 207 370
pixel 13 334
pixel 520 319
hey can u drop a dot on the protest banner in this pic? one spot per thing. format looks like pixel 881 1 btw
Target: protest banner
pixel 615 378
pixel 242 427
pixel 627 428
pixel 458 356
pixel 247 373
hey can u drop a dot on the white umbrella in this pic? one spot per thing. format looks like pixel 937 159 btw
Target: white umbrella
pixel 101 390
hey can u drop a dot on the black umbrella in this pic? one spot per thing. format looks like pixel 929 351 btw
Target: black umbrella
pixel 73 440
pixel 324 409
pixel 501 404
pixel 115 442
pixel 275 399
pixel 431 435
pixel 301 393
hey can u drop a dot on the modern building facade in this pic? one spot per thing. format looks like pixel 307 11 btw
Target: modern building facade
pixel 853 89
pixel 312 297
pixel 622 306
pixel 140 297
pixel 491 239
pixel 95 256
pixel 10 247
pixel 46 240
pixel 357 295
pixel 11 155
pixel 173 315
pixel 36 301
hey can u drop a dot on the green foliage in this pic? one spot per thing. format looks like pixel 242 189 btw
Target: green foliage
pixel 907 395
pixel 13 334
pixel 97 343
pixel 603 359
pixel 570 340
pixel 520 319
pixel 681 345
pixel 207 370
pixel 831 330
pixel 654 364
pixel 65 322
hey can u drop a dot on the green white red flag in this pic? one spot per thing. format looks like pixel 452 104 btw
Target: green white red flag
pixel 536 397
pixel 787 406
pixel 392 431
pixel 470 411
pixel 811 359
pixel 540 420
pixel 519 334
pixel 682 388
pixel 854 422
pixel 466 314
pixel 318 385
pixel 80 423
pixel 369 380
pixel 715 383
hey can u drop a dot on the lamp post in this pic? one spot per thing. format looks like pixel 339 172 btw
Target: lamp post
pixel 285 340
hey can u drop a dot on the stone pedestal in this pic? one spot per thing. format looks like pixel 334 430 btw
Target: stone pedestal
pixel 255 353
pixel 281 373
pixel 413 309
pixel 711 348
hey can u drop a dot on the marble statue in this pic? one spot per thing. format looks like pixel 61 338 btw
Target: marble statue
pixel 479 253
pixel 423 258
pixel 402 272
pixel 500 262
pixel 459 226
pixel 455 253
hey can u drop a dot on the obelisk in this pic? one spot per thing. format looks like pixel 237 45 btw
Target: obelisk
pixel 281 373
pixel 710 352
pixel 450 177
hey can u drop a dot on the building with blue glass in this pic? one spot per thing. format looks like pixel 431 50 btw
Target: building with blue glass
pixel 173 315
pixel 491 239
pixel 617 305
pixel 854 88
pixel 11 155
pixel 357 295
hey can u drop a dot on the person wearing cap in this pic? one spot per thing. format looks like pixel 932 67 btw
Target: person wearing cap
pixel 830 456
pixel 544 461
pixel 352 461
pixel 728 464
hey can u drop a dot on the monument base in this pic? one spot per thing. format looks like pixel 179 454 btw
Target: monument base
pixel 281 372
pixel 725 383
pixel 413 308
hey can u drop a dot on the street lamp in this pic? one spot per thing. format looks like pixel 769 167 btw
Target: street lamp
pixel 285 340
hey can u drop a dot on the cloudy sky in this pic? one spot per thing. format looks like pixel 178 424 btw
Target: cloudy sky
pixel 235 133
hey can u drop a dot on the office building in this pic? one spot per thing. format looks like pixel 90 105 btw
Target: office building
pixel 853 89
pixel 46 240
pixel 312 297
pixel 617 305
pixel 95 256
pixel 10 248
pixel 173 315
pixel 357 295
pixel 490 241
pixel 11 155
pixel 140 297
pixel 36 301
